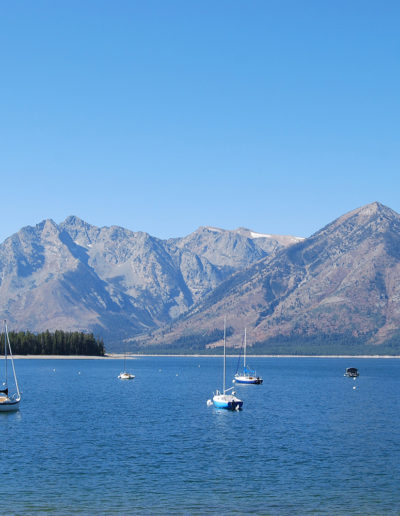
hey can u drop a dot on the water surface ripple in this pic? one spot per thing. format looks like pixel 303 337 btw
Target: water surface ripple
pixel 306 442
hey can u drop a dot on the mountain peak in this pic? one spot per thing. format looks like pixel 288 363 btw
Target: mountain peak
pixel 45 222
pixel 74 221
pixel 372 209
pixel 371 213
pixel 211 228
pixel 45 228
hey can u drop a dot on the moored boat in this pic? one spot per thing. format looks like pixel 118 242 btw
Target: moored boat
pixel 248 375
pixel 223 400
pixel 124 375
pixel 8 403
pixel 352 372
pixel 227 401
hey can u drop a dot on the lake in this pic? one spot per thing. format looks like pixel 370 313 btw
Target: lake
pixel 306 441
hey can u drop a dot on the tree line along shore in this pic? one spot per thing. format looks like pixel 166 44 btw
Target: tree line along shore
pixel 54 343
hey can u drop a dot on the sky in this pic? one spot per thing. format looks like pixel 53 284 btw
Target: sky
pixel 166 115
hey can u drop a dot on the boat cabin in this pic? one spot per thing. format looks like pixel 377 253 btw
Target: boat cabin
pixel 352 372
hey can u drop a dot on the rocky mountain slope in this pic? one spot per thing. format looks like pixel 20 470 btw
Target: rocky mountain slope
pixel 232 250
pixel 112 281
pixel 341 285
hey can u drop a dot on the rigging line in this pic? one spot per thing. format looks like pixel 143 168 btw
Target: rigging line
pixel 13 368
pixel 240 354
pixel 5 351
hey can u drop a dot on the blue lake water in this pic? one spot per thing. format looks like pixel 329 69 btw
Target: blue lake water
pixel 306 441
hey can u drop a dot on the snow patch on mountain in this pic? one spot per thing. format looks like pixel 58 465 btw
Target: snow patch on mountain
pixel 259 235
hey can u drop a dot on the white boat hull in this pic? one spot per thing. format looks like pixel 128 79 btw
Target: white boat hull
pixel 126 376
pixel 8 405
pixel 247 376
pixel 255 380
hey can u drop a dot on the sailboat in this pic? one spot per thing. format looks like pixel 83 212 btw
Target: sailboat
pixel 8 403
pixel 222 399
pixel 124 375
pixel 247 375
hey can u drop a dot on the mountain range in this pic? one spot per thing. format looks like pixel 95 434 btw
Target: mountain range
pixel 337 290
pixel 334 291
pixel 115 282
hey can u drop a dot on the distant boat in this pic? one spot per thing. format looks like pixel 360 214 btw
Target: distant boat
pixel 248 375
pixel 8 403
pixel 222 399
pixel 125 375
pixel 352 372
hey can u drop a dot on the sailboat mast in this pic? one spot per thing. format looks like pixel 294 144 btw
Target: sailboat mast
pixel 5 351
pixel 245 343
pixel 12 363
pixel 223 391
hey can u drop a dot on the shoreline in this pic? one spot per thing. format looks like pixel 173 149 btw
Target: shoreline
pixel 120 356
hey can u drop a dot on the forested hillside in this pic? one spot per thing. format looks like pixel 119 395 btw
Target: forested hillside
pixel 57 343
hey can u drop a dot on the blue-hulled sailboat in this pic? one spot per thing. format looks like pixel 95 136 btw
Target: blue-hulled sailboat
pixel 248 375
pixel 223 400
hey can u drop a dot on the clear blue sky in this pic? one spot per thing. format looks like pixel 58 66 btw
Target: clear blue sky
pixel 162 116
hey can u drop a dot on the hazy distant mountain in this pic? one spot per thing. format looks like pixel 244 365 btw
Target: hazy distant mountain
pixel 340 286
pixel 115 282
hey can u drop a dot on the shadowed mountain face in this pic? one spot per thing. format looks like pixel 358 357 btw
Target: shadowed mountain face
pixel 112 281
pixel 342 282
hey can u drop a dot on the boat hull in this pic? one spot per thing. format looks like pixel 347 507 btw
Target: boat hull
pixel 9 406
pixel 352 372
pixel 227 402
pixel 126 376
pixel 249 380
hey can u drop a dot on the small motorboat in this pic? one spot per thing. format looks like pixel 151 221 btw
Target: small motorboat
pixel 352 372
